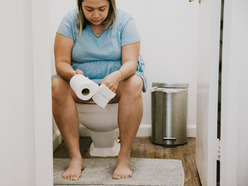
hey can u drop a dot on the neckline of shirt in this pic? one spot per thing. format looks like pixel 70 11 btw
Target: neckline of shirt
pixel 88 26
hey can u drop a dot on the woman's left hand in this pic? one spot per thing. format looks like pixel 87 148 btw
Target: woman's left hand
pixel 112 80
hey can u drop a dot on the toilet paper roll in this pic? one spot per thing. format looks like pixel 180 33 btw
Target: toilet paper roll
pixel 83 87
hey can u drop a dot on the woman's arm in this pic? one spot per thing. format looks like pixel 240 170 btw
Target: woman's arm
pixel 62 52
pixel 130 55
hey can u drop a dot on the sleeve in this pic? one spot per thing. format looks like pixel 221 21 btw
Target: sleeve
pixel 129 32
pixel 68 25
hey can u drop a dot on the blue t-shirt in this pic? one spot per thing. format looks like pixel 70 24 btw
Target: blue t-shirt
pixel 98 56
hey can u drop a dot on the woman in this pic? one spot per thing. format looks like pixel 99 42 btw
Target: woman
pixel 103 44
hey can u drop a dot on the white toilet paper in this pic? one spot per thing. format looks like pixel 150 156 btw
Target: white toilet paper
pixel 83 87
pixel 103 96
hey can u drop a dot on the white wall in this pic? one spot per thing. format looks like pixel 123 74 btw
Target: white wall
pixel 25 135
pixel 15 107
pixel 169 32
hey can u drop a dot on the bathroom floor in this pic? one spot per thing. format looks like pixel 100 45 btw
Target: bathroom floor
pixel 143 148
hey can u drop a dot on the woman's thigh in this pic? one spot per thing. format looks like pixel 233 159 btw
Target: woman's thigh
pixel 132 86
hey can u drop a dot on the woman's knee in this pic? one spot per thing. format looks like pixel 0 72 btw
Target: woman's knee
pixel 133 86
pixel 59 88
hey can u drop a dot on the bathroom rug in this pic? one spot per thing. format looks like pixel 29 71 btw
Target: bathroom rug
pixel 99 171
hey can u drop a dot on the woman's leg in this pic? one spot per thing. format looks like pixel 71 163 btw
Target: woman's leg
pixel 66 117
pixel 129 117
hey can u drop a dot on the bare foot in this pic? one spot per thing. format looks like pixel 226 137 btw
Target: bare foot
pixel 73 173
pixel 122 169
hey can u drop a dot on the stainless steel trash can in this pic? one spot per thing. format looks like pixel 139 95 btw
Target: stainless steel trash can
pixel 169 114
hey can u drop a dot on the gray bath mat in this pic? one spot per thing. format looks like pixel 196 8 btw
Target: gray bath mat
pixel 99 171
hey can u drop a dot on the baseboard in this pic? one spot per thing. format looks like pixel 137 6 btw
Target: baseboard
pixel 191 131
pixel 144 131
pixel 57 139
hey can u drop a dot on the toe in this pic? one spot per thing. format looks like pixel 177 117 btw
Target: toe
pixel 66 177
pixel 71 176
pixel 116 176
pixel 76 177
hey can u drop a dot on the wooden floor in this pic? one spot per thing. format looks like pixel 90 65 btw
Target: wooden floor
pixel 143 148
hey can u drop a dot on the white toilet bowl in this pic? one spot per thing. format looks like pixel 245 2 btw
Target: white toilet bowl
pixel 103 127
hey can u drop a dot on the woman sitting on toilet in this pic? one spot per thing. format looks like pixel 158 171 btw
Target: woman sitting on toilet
pixel 103 44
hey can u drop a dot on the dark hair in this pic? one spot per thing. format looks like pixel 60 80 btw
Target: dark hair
pixel 107 23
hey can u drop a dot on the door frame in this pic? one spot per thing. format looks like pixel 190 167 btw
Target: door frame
pixel 207 91
pixel 229 105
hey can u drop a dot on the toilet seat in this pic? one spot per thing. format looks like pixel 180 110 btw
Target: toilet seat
pixel 92 107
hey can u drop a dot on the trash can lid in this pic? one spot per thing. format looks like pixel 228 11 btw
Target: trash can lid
pixel 170 85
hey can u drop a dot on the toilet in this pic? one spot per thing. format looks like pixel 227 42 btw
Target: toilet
pixel 102 126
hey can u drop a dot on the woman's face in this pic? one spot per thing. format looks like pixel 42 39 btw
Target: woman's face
pixel 95 11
